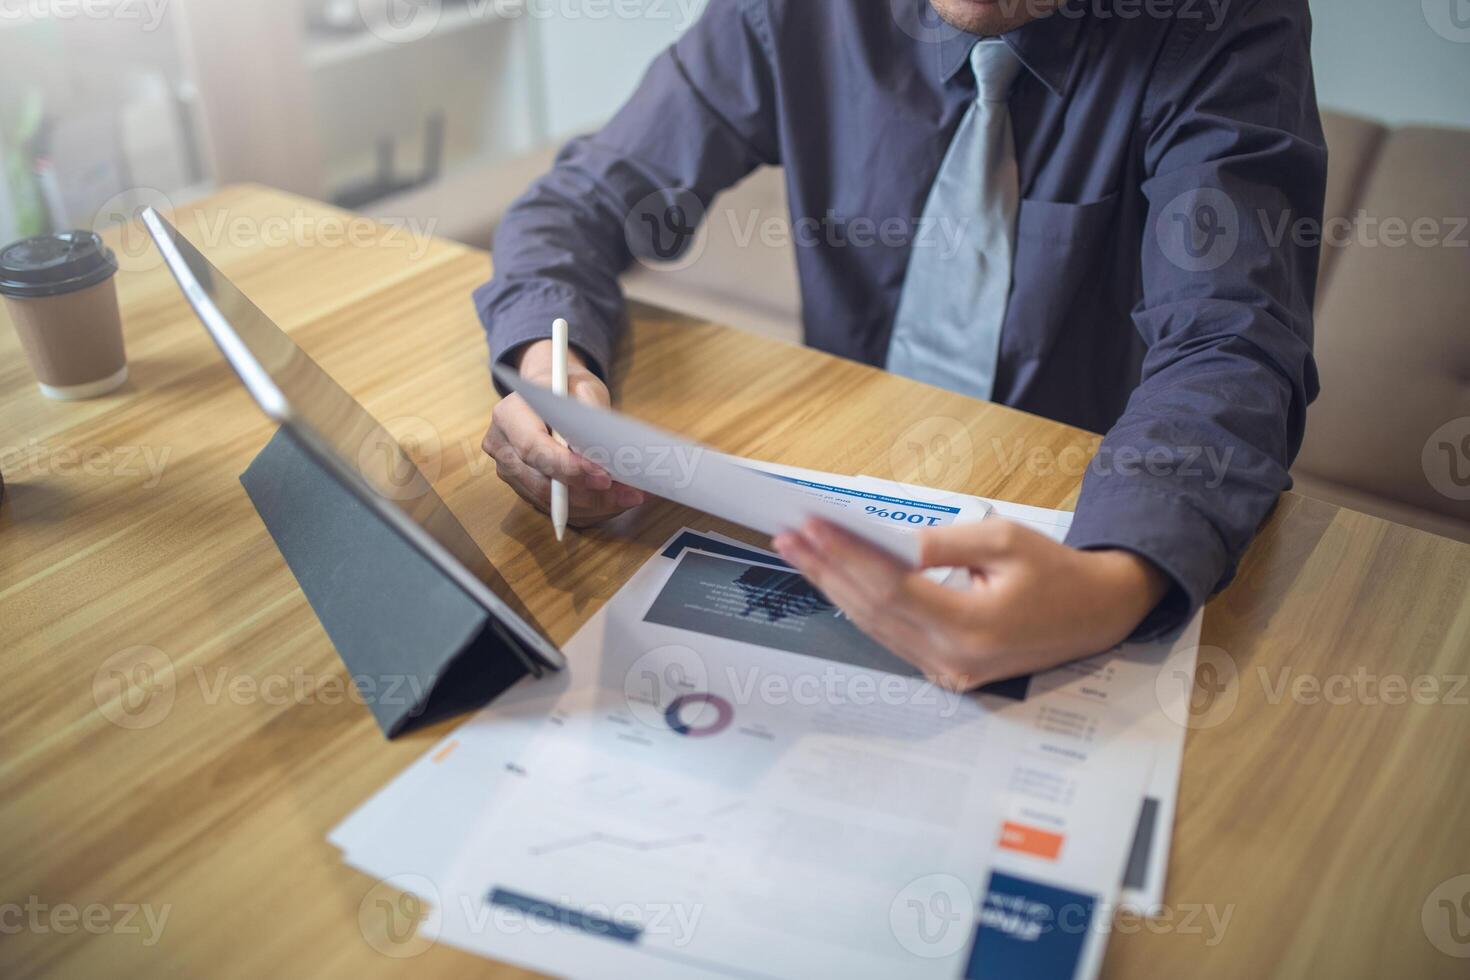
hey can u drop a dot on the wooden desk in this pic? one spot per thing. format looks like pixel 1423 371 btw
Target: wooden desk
pixel 1321 828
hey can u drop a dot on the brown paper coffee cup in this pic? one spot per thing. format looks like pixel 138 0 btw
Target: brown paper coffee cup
pixel 62 300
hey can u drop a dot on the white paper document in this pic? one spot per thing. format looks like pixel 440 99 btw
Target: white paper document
pixel 730 780
pixel 685 472
pixel 705 804
pixel 1170 667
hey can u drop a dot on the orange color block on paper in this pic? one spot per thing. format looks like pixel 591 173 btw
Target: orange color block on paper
pixel 1030 840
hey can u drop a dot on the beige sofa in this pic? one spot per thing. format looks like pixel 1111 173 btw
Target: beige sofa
pixel 1390 434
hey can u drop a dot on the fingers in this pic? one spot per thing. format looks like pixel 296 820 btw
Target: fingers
pixel 854 597
pixel 528 458
pixel 970 545
pixel 519 428
pixel 895 632
pixel 882 580
pixel 911 616
pixel 861 597
pixel 587 388
pixel 585 507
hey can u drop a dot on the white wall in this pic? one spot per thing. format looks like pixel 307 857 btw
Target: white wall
pixel 1380 58
pixel 593 57
pixel 1385 59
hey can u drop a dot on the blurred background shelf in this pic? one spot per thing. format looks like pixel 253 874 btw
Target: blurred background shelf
pixel 326 51
pixel 103 111
pixel 301 95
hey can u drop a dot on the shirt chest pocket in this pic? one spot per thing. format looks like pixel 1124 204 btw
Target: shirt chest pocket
pixel 1055 222
pixel 1066 254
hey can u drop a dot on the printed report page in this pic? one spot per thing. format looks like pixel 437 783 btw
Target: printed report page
pixel 815 810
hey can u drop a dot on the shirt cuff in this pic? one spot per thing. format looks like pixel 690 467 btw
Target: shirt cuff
pixel 1166 531
pixel 509 330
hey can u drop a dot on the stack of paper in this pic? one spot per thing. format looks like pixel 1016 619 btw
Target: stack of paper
pixel 731 779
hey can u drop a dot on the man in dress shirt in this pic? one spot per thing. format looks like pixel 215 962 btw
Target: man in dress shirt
pixel 1117 168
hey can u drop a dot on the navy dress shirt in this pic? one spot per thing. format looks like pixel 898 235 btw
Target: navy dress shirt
pixel 1164 147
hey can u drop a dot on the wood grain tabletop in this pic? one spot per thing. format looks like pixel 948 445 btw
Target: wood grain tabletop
pixel 179 736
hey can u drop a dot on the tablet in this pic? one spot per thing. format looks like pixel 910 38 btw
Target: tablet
pixel 345 440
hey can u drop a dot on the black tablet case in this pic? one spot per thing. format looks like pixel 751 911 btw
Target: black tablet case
pixel 417 647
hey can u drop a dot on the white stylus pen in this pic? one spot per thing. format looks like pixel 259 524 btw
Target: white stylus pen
pixel 559 386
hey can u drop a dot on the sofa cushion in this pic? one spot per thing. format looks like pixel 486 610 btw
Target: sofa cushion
pixel 1393 334
pixel 467 206
pixel 744 276
pixel 1382 508
pixel 1352 146
pixel 745 272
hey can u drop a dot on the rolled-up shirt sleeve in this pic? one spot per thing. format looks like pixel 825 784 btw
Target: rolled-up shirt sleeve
pixel 701 119
pixel 1235 164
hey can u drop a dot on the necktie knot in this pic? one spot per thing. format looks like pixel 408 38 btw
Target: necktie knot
pixel 996 67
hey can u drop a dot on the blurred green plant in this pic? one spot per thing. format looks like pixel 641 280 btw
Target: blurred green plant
pixel 20 124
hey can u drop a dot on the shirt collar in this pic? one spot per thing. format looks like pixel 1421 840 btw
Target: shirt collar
pixel 1049 47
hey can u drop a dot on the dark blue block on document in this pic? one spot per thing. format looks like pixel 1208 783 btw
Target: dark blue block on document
pixel 1031 930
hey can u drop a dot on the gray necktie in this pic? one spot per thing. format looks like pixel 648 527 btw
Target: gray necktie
pixel 947 329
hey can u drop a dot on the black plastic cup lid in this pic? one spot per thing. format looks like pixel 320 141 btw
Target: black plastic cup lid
pixel 52 265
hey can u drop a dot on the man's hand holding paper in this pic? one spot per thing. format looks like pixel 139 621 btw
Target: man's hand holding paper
pixel 1005 622
pixel 528 458
pixel 668 466
pixel 1031 603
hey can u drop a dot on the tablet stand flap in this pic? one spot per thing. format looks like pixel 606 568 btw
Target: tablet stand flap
pixel 417 647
